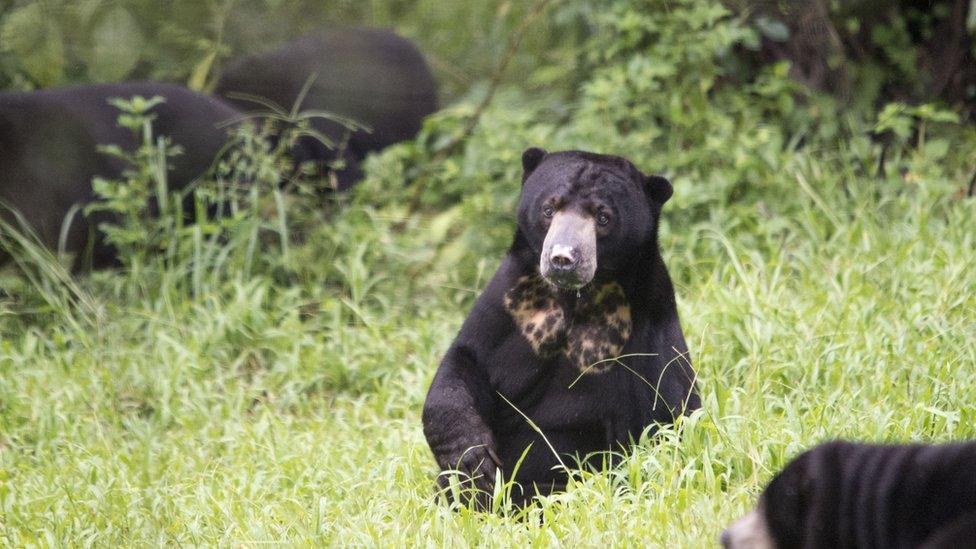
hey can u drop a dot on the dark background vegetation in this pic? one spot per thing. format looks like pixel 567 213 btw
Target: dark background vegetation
pixel 860 50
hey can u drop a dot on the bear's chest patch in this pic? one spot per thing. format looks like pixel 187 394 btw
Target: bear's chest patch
pixel 590 333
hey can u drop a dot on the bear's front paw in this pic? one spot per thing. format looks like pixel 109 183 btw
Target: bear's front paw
pixel 474 460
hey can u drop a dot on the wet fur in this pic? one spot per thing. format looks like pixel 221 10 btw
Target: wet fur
pixel 529 342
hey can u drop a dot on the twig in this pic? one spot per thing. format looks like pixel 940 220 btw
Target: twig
pixel 455 72
pixel 972 186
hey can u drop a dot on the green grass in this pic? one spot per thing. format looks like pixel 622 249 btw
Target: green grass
pixel 286 408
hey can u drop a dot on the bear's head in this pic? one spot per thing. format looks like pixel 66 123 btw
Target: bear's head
pixel 585 214
pixel 781 516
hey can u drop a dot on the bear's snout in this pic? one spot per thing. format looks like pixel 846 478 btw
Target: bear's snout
pixel 564 258
pixel 568 257
pixel 749 532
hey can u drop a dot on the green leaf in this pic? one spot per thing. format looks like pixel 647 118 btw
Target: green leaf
pixel 442 223
pixel 117 42
pixel 36 40
pixel 86 10
pixel 198 79
pixel 937 149
pixel 773 29
pixel 895 117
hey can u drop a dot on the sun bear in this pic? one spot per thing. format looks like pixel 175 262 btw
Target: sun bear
pixel 847 494
pixel 577 331
pixel 372 77
pixel 49 152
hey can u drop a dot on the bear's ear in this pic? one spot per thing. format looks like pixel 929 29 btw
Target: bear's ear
pixel 530 160
pixel 658 188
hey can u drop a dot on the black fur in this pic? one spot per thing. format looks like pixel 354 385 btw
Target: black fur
pixel 48 142
pixel 844 494
pixel 371 76
pixel 468 424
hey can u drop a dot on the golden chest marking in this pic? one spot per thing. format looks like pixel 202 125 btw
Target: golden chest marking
pixel 597 331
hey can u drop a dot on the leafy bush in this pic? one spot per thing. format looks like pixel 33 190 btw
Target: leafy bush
pixel 664 86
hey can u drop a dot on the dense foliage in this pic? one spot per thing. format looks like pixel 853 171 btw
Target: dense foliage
pixel 57 42
pixel 257 376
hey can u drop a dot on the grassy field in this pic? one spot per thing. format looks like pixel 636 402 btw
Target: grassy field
pixel 271 408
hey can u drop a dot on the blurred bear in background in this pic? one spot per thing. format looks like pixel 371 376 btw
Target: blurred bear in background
pixel 49 155
pixel 372 77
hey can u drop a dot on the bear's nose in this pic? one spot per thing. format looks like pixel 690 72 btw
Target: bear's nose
pixel 563 258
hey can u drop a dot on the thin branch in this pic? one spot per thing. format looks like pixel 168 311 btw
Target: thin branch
pixel 457 73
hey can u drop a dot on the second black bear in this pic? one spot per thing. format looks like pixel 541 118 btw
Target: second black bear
pixel 49 152
pixel 372 76
pixel 578 330
pixel 845 494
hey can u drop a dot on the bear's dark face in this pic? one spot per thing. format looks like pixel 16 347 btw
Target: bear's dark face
pixel 586 213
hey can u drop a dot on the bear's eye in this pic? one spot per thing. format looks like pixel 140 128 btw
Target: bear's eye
pixel 548 210
pixel 602 219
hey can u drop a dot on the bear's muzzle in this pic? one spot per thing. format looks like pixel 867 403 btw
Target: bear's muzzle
pixel 568 257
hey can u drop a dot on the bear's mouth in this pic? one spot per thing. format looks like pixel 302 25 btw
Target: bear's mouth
pixel 565 282
pixel 749 532
pixel 568 258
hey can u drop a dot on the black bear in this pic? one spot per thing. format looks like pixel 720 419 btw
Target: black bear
pixel 48 150
pixel 371 76
pixel 577 331
pixel 844 494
